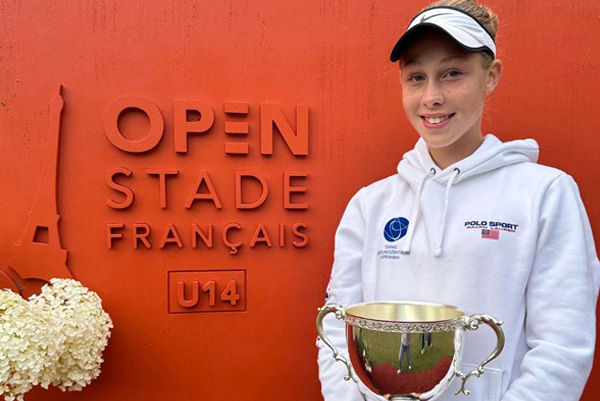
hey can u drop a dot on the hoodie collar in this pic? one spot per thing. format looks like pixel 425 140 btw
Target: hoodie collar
pixel 490 155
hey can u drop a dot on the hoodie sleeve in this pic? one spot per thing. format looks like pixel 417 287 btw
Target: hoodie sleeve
pixel 561 299
pixel 345 289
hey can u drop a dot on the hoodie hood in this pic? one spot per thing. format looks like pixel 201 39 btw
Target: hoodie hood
pixel 417 167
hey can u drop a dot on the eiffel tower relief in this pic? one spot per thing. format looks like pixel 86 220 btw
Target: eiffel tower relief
pixel 39 256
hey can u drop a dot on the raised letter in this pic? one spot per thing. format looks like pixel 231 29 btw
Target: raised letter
pixel 128 192
pixel 182 125
pixel 162 182
pixel 197 232
pixel 111 124
pixel 212 195
pixel 110 235
pixel 236 128
pixel 143 236
pixel 304 237
pixel 281 235
pixel 187 303
pixel 238 191
pixel 288 189
pixel 171 236
pixel 224 237
pixel 257 237
pixel 271 114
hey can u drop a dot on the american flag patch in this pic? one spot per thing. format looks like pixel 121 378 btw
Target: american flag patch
pixel 490 233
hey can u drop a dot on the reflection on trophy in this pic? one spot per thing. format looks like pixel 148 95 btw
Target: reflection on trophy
pixel 407 350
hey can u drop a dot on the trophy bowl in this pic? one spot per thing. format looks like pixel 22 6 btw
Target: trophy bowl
pixel 407 350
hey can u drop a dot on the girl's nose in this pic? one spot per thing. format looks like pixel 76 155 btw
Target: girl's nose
pixel 433 95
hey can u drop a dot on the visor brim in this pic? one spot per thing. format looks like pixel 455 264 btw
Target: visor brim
pixel 415 33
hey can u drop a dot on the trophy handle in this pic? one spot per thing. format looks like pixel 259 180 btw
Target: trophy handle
pixel 472 323
pixel 339 314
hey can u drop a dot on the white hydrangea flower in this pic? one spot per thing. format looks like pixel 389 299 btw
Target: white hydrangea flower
pixel 30 346
pixel 84 325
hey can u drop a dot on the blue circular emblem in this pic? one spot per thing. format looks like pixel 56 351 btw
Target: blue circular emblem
pixel 395 229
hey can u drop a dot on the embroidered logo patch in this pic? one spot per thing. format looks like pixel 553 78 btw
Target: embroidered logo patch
pixel 490 234
pixel 491 229
pixel 395 229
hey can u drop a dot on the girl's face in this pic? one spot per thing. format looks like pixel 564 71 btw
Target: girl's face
pixel 443 90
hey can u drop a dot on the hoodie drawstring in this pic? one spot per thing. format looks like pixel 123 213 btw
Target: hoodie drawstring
pixel 415 213
pixel 440 236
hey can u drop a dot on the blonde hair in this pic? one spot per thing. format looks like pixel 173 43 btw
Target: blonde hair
pixel 486 17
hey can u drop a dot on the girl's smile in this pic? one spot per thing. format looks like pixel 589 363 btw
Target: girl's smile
pixel 437 121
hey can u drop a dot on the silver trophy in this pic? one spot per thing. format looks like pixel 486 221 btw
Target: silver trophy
pixel 407 350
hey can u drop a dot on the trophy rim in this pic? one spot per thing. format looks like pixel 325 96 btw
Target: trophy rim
pixel 355 316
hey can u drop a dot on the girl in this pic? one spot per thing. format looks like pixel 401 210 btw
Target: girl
pixel 473 222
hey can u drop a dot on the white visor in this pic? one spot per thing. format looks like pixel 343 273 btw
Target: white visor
pixel 466 31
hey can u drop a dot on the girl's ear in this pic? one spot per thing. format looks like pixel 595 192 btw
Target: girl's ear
pixel 493 76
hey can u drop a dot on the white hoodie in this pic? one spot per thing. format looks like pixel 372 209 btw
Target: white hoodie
pixel 535 268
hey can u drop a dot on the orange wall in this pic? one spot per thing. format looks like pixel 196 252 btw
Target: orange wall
pixel 329 55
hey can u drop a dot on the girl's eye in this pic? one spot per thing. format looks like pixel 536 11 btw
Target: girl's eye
pixel 453 74
pixel 416 78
